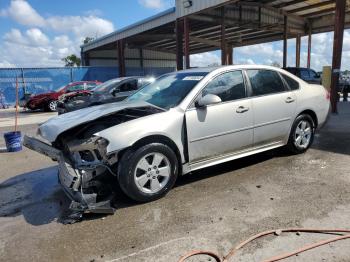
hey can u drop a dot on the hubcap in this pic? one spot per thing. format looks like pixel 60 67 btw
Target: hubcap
pixel 303 134
pixel 152 173
pixel 53 105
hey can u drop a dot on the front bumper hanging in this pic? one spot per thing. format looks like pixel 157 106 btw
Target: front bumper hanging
pixel 87 192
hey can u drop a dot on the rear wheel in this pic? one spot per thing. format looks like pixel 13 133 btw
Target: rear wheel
pixel 302 134
pixel 52 106
pixel 148 172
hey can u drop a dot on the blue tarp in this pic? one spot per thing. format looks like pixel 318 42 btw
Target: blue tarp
pixel 41 80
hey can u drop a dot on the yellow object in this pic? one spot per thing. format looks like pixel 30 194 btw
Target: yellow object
pixel 326 77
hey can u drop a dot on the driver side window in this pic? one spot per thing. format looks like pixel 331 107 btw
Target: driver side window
pixel 129 86
pixel 228 86
pixel 75 88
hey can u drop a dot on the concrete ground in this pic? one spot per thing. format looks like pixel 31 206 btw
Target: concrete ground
pixel 7 117
pixel 212 209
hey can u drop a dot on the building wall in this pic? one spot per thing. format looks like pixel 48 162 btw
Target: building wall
pixel 132 58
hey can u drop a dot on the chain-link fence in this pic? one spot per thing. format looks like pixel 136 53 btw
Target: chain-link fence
pixel 41 80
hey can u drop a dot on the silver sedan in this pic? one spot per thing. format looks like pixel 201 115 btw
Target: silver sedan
pixel 184 121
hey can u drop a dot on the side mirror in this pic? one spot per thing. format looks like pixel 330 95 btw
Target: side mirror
pixel 206 100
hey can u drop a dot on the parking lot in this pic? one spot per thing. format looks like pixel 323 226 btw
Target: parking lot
pixel 212 209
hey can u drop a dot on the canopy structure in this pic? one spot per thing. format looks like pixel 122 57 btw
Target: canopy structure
pixel 196 26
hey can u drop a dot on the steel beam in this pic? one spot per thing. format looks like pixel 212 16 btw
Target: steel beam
pixel 121 58
pixel 179 44
pixel 230 55
pixel 285 38
pixel 319 13
pixel 337 50
pixel 309 7
pixel 309 43
pixel 297 51
pixel 141 58
pixel 187 43
pixel 205 41
pixel 223 38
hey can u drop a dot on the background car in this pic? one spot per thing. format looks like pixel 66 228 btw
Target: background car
pixel 308 75
pixel 113 90
pixel 183 121
pixel 48 101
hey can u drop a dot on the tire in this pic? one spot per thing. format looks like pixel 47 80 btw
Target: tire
pixel 52 106
pixel 302 134
pixel 141 167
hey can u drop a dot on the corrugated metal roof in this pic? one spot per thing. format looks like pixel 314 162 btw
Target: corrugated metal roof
pixel 138 27
pixel 247 22
pixel 196 6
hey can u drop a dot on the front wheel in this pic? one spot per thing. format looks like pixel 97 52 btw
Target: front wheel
pixel 52 106
pixel 302 134
pixel 148 172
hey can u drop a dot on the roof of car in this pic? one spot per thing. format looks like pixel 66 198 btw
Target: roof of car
pixel 213 68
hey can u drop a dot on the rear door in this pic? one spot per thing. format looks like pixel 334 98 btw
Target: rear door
pixel 273 106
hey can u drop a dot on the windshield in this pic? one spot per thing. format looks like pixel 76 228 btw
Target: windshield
pixel 169 90
pixel 104 86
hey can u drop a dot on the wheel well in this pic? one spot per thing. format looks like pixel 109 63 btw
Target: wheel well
pixel 159 139
pixel 312 114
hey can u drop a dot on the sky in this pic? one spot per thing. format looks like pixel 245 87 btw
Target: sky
pixel 39 33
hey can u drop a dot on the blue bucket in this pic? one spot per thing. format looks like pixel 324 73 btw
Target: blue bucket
pixel 13 141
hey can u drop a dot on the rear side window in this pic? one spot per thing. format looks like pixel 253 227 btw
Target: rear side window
pixel 265 82
pixel 228 86
pixel 304 74
pixel 313 74
pixel 293 85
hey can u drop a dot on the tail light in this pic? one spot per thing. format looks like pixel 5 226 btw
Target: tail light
pixel 328 95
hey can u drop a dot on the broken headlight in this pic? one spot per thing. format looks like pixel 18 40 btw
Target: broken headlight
pixel 91 151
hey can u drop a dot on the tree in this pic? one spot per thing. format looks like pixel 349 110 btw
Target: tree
pixel 275 64
pixel 88 40
pixel 72 60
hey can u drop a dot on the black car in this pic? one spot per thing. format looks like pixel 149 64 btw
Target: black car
pixel 113 90
pixel 308 75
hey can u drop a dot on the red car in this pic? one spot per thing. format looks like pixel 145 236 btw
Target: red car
pixel 48 101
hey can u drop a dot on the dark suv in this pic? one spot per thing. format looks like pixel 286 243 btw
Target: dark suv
pixel 308 75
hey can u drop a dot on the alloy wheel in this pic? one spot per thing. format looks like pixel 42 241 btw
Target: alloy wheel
pixel 53 105
pixel 302 135
pixel 152 173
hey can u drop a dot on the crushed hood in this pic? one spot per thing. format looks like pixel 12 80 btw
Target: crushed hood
pixel 56 125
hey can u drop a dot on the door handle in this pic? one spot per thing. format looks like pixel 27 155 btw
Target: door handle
pixel 242 109
pixel 289 100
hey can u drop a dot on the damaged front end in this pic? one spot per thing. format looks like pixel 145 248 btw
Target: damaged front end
pixel 84 171
pixel 86 176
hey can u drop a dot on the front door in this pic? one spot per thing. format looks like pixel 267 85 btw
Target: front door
pixel 222 128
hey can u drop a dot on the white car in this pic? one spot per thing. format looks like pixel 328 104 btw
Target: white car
pixel 184 121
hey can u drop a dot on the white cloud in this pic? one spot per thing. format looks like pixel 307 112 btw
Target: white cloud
pixel 23 13
pixel 81 26
pixel 205 59
pixel 36 37
pixel 93 12
pixel 32 47
pixel 6 64
pixel 155 4
pixel 15 36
